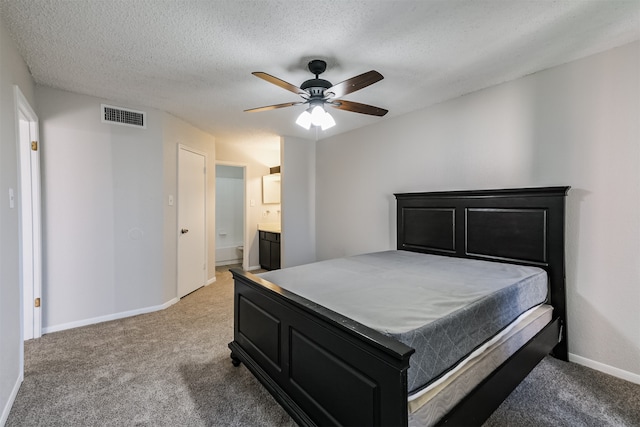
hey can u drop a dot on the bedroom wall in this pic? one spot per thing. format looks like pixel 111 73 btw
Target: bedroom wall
pixel 102 211
pixel 174 132
pixel 13 71
pixel 298 201
pixel 258 156
pixel 109 233
pixel 576 124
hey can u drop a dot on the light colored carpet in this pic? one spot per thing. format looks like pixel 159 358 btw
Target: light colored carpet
pixel 172 368
pixel 558 393
pixel 168 368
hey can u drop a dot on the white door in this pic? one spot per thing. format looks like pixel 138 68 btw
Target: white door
pixel 30 216
pixel 192 230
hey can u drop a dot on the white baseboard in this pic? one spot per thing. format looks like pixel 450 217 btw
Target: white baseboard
pixel 616 372
pixel 229 262
pixel 115 316
pixel 12 398
pixel 210 281
pixel 255 267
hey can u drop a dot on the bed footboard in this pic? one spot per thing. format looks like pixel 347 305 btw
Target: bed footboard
pixel 323 368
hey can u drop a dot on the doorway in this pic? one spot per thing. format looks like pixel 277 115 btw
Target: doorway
pixel 230 215
pixel 192 225
pixel 30 216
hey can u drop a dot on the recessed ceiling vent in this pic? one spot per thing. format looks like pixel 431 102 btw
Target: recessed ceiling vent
pixel 123 116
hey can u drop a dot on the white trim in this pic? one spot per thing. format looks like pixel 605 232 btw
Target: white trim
pixel 10 400
pixel 211 281
pixel 29 171
pixel 254 267
pixel 115 316
pixel 229 262
pixel 607 369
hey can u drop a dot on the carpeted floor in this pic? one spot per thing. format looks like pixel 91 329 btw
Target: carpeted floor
pixel 172 368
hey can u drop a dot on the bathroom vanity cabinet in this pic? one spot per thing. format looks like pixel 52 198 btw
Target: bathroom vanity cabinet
pixel 269 250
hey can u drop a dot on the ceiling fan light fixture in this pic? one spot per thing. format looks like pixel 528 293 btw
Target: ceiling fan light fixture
pixel 304 120
pixel 321 118
pixel 328 121
pixel 317 115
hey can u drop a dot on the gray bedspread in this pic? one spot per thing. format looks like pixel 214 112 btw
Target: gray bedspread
pixel 444 307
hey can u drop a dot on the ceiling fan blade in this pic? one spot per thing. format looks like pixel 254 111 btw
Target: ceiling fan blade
pixel 356 107
pixel 272 107
pixel 279 82
pixel 354 83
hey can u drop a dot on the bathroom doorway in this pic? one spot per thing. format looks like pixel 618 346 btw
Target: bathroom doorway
pixel 230 214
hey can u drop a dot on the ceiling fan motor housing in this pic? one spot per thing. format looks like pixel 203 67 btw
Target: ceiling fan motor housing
pixel 316 87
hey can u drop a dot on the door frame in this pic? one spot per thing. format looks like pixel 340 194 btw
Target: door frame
pixel 245 226
pixel 177 229
pixel 29 178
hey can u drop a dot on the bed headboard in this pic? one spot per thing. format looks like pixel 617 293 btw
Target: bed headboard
pixel 521 226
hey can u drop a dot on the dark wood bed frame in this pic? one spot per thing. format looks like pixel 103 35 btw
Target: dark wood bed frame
pixel 326 369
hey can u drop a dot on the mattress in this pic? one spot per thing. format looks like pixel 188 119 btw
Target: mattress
pixel 443 307
pixel 427 406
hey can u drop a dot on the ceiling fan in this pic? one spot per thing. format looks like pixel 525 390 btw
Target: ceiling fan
pixel 318 93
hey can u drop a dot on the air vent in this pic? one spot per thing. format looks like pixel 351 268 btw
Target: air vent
pixel 123 116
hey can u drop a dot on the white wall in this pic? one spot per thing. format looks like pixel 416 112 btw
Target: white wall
pixel 102 209
pixel 258 156
pixel 298 243
pixel 175 132
pixel 13 71
pixel 576 124
pixel 109 233
pixel 297 160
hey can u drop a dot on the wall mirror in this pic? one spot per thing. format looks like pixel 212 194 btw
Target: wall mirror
pixel 271 188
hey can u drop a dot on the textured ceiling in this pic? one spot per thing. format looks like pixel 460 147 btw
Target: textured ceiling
pixel 194 58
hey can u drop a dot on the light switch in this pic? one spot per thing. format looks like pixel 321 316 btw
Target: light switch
pixel 170 199
pixel 252 202
pixel 12 200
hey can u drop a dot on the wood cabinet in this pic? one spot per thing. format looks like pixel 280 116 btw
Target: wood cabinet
pixel 269 250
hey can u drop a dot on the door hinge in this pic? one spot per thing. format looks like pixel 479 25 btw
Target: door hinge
pixel 37 302
pixel 34 145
